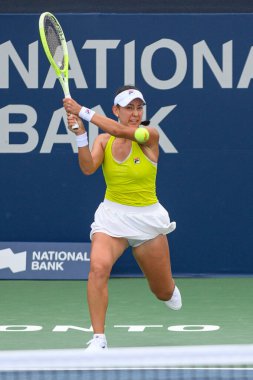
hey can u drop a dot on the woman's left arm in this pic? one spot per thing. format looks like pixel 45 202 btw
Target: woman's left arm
pixel 111 126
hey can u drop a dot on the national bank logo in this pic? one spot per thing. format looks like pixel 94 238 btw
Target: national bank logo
pixel 40 260
pixel 16 262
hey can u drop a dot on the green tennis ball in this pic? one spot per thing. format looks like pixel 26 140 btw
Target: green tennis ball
pixel 141 135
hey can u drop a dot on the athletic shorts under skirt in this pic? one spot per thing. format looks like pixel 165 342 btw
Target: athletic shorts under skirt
pixel 136 224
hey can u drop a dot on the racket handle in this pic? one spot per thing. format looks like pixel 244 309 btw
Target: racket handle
pixel 75 126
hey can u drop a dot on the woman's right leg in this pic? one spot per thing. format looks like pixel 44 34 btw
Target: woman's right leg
pixel 105 250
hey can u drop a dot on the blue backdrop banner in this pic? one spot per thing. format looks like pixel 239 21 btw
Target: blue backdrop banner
pixel 195 71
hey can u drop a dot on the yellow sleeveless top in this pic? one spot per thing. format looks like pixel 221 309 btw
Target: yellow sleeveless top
pixel 130 182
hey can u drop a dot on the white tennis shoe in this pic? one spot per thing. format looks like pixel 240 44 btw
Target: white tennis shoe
pixel 175 303
pixel 97 343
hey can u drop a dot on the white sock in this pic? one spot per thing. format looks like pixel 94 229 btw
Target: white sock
pixel 100 336
pixel 175 303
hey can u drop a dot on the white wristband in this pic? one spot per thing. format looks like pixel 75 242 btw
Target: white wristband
pixel 82 140
pixel 86 114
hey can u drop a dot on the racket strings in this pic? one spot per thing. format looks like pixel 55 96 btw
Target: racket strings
pixel 54 43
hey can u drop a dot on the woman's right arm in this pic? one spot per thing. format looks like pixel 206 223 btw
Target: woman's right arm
pixel 89 161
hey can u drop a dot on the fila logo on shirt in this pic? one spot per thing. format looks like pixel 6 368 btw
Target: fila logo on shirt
pixel 137 160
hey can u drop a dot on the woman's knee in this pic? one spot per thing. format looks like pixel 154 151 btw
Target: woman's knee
pixel 99 272
pixel 163 294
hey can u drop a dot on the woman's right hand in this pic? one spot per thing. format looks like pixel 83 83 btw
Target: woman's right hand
pixel 72 120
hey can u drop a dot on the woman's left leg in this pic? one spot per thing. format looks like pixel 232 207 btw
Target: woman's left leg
pixel 153 257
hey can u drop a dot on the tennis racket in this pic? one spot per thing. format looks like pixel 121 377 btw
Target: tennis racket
pixel 55 47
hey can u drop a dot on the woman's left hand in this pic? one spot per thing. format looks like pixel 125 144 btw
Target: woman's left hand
pixel 71 106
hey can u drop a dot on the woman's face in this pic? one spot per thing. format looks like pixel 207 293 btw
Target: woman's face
pixel 130 115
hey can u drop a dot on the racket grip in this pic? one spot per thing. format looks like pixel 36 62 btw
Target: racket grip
pixel 75 126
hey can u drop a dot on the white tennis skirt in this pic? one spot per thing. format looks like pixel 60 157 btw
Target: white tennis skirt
pixel 136 224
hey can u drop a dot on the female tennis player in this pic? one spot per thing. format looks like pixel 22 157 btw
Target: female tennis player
pixel 130 214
